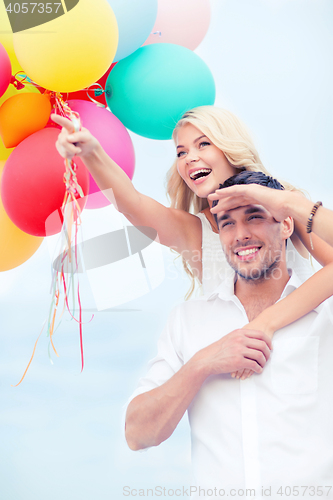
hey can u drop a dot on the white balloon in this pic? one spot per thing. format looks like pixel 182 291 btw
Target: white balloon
pixel 135 23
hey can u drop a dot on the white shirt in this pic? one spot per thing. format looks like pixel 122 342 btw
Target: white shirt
pixel 272 430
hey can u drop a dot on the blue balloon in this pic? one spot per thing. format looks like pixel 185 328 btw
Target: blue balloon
pixel 136 19
pixel 151 89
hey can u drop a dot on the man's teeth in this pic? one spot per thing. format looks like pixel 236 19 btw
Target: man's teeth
pixel 247 252
pixel 200 173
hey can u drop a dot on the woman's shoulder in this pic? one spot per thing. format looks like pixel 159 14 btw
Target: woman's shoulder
pixel 297 262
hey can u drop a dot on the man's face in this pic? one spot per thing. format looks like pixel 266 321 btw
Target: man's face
pixel 252 241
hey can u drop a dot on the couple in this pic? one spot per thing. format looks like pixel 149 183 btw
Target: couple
pixel 271 434
pixel 212 146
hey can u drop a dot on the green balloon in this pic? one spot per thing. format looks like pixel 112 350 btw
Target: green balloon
pixel 151 89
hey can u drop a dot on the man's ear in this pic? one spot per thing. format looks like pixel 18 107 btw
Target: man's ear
pixel 287 227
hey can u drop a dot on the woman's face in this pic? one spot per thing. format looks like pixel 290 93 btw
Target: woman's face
pixel 200 163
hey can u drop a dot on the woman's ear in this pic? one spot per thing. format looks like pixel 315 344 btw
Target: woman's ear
pixel 287 227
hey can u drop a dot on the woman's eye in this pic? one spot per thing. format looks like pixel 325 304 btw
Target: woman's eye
pixel 204 143
pixel 255 217
pixel 181 153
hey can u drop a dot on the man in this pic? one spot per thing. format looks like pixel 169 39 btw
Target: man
pixel 269 435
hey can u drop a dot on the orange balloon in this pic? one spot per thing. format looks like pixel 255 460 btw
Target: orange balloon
pixel 23 115
pixel 15 246
pixel 11 91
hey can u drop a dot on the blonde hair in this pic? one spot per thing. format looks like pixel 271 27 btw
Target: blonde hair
pixel 231 136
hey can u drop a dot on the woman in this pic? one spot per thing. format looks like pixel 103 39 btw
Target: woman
pixel 212 145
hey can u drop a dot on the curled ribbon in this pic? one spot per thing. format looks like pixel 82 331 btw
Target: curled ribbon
pixel 71 220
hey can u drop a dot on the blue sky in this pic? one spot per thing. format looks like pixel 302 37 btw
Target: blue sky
pixel 61 430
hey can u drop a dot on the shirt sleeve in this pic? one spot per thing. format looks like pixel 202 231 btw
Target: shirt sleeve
pixel 168 360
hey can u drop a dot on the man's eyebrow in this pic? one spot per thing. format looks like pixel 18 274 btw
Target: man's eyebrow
pixel 250 210
pixel 223 217
pixel 253 210
pixel 195 140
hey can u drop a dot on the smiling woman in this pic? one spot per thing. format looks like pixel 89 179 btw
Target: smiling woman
pixel 200 163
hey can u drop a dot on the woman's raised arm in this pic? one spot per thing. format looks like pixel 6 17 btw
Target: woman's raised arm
pixel 176 228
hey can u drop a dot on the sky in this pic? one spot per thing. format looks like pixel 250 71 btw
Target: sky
pixel 61 431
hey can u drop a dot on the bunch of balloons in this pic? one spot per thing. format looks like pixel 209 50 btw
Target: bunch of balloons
pixel 134 57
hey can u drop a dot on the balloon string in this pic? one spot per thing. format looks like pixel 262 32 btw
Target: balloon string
pixel 57 295
pixel 20 80
pixel 32 356
pixel 70 215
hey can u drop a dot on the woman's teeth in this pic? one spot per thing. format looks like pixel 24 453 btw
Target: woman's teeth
pixel 203 172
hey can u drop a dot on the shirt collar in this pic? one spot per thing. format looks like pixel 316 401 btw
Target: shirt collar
pixel 226 290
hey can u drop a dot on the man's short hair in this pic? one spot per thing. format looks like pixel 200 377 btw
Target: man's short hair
pixel 248 177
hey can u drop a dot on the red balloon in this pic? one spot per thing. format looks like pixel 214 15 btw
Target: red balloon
pixel 32 186
pixel 82 94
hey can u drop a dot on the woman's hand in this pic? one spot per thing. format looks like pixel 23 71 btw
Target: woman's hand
pixel 259 323
pixel 275 201
pixel 72 143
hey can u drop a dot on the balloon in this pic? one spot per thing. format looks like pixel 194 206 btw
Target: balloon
pixel 89 95
pixel 32 186
pixel 135 21
pixel 21 116
pixel 72 51
pixel 16 246
pixel 5 70
pixel 11 91
pixel 6 38
pixel 151 89
pixel 114 138
pixel 4 152
pixel 182 22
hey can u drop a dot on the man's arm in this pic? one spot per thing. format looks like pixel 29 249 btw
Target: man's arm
pixel 153 416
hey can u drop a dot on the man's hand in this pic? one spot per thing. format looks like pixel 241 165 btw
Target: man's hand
pixel 239 350
pixel 72 143
pixel 262 324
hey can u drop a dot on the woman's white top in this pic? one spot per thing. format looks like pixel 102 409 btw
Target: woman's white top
pixel 215 267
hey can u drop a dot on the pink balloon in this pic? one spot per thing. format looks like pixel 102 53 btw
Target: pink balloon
pixel 182 22
pixel 114 139
pixel 5 70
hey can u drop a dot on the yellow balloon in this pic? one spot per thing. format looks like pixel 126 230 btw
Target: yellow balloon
pixel 10 92
pixel 4 152
pixel 6 38
pixel 16 246
pixel 72 51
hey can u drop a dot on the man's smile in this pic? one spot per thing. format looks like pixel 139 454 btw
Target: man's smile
pixel 247 253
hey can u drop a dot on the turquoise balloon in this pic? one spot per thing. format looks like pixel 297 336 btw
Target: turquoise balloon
pixel 151 89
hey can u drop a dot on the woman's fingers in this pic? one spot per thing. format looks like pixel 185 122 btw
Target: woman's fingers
pixel 229 203
pixel 63 122
pixel 273 200
pixel 68 150
pixel 246 374
pixel 242 374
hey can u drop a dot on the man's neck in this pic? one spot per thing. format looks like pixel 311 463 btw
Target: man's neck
pixel 257 295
